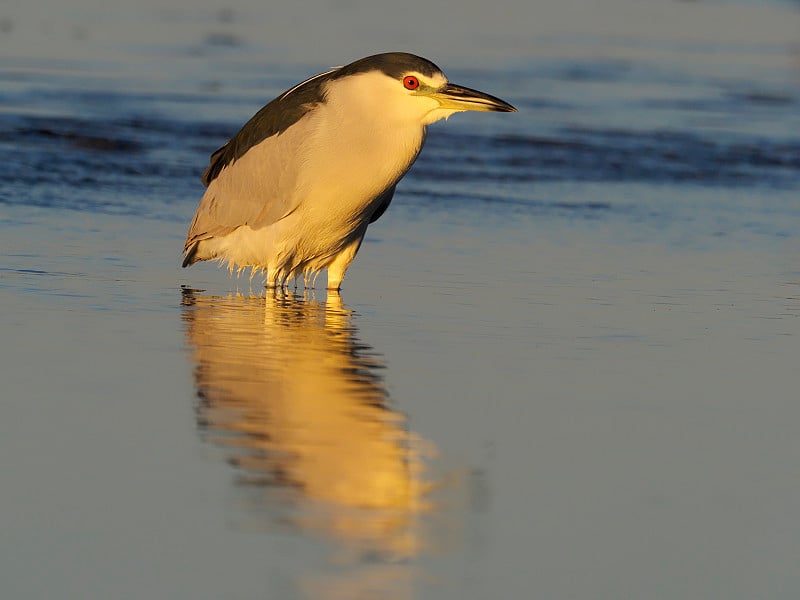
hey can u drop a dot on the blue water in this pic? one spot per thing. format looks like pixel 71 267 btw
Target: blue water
pixel 563 364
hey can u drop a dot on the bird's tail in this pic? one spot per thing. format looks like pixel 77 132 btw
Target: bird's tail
pixel 190 255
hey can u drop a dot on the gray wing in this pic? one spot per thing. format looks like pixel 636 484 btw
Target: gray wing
pixel 251 179
pixel 273 119
pixel 257 189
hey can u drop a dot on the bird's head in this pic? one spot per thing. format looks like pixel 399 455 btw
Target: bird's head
pixel 397 86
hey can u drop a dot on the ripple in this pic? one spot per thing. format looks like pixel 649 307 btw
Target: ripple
pixel 612 155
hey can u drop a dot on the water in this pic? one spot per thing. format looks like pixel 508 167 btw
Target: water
pixel 562 365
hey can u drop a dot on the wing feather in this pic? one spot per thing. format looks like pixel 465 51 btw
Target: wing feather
pixel 258 189
pixel 273 119
pixel 252 179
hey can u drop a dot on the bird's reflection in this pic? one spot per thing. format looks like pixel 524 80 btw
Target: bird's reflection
pixel 300 404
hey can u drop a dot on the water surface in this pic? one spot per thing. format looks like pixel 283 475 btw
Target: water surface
pixel 563 364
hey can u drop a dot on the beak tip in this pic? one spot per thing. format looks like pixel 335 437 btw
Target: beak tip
pixel 505 107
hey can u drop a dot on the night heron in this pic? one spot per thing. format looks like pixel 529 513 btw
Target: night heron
pixel 293 192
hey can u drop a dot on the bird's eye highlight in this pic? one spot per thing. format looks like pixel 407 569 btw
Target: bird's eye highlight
pixel 410 82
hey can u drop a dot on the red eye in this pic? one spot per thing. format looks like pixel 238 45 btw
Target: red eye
pixel 410 82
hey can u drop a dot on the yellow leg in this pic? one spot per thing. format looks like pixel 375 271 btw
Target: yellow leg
pixel 337 268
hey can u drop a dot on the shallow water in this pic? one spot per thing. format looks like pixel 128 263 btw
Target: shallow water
pixel 564 363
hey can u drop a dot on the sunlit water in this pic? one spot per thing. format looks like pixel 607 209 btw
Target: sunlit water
pixel 563 365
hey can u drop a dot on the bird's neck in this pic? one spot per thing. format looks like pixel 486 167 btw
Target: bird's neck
pixel 383 148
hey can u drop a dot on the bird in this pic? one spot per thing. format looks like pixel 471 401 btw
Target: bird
pixel 293 192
